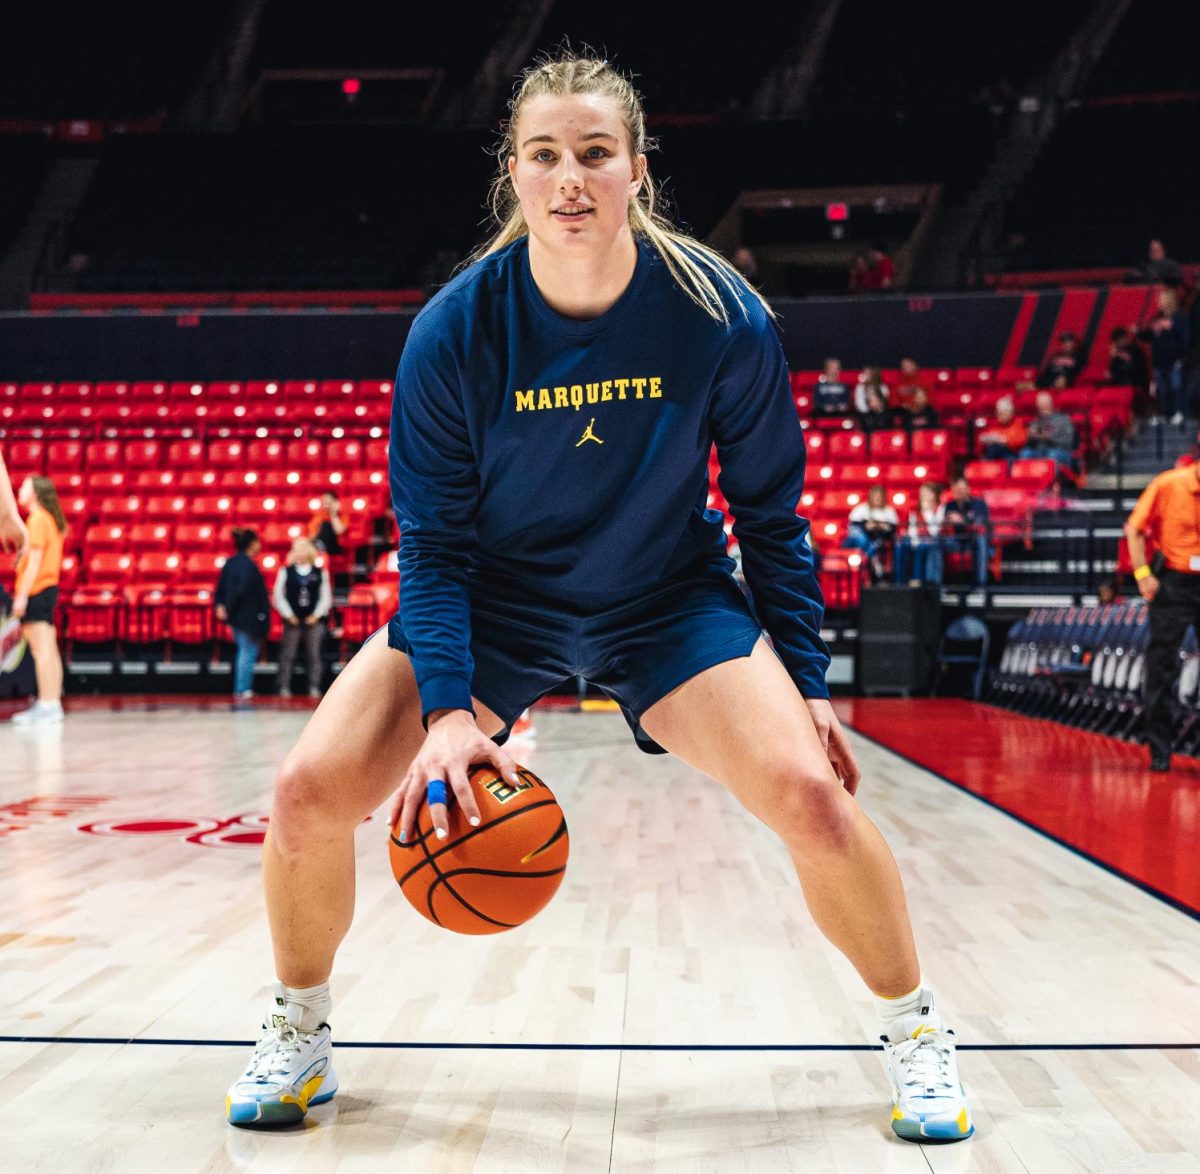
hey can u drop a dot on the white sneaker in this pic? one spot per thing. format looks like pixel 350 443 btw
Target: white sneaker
pixel 41 713
pixel 289 1072
pixel 929 1102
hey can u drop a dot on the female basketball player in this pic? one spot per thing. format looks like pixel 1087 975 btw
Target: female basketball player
pixel 553 415
pixel 38 571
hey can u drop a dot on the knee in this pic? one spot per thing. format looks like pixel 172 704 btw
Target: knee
pixel 300 807
pixel 816 816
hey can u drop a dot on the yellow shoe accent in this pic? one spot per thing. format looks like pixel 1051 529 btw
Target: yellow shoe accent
pixel 228 1106
pixel 920 1030
pixel 598 705
pixel 896 1114
pixel 302 1098
pixel 963 1123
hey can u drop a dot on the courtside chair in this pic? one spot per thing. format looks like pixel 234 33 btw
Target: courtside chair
pixel 963 633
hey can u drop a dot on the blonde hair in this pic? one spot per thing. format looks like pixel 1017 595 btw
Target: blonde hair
pixel 695 266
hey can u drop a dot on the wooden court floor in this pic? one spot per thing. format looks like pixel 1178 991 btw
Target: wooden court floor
pixel 674 1009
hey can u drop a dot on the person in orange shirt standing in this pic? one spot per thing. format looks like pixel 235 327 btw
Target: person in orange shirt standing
pixel 1169 513
pixel 36 595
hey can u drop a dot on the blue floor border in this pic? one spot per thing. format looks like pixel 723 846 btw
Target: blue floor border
pixel 442 1045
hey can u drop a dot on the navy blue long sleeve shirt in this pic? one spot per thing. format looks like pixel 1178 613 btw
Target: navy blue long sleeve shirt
pixel 572 456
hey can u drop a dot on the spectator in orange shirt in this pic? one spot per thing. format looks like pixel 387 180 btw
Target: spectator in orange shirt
pixel 1005 436
pixel 36 594
pixel 328 524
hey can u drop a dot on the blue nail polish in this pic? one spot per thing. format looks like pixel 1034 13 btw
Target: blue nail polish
pixel 403 836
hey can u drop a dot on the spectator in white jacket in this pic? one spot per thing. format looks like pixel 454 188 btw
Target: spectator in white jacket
pixel 919 549
pixel 303 596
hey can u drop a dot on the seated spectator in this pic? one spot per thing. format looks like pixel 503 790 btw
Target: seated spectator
pixel 911 377
pixel 1169 338
pixel 1158 267
pixel 878 417
pixel 919 549
pixel 1005 436
pixel 870 378
pixel 1050 433
pixel 921 413
pixel 1063 364
pixel 831 396
pixel 873 525
pixel 328 524
pixel 1126 361
pixel 1107 594
pixel 966 527
pixel 303 597
pixel 858 268
pixel 880 273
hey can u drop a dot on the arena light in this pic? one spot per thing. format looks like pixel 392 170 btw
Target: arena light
pixel 351 87
pixel 837 211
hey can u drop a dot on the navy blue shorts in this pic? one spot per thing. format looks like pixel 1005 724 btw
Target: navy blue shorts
pixel 636 650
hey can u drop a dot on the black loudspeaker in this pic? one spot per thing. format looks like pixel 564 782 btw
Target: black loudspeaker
pixel 898 630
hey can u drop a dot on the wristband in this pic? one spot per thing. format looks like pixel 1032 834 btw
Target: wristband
pixel 435 792
pixel 1143 572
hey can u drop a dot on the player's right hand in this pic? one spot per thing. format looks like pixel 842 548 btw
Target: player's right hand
pixel 453 744
pixel 1148 587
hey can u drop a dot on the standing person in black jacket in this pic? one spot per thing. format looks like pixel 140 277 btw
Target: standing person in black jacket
pixel 242 602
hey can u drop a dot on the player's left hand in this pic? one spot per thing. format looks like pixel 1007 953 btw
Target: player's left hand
pixel 834 742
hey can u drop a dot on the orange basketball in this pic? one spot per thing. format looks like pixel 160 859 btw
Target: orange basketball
pixel 491 877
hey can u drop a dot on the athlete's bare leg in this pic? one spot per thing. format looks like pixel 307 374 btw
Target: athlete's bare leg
pixel 744 723
pixel 349 759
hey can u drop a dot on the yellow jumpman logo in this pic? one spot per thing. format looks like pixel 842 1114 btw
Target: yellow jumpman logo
pixel 588 434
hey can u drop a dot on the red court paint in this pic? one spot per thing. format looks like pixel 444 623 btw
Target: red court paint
pixel 1095 794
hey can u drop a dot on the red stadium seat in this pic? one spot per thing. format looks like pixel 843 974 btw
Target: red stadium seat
pixel 267 413
pixel 386 569
pixel 841 579
pixel 1009 377
pixel 970 377
pixel 375 455
pixel 27 456
pixel 365 609
pixel 891 445
pixel 861 476
pixel 121 508
pixel 847 445
pixel 76 509
pixel 984 473
pixel 147 613
pixel 108 567
pixel 301 389
pixel 931 442
pixel 159 567
pixel 212 508
pixel 38 393
pixel 108 536
pixel 375 389
pixel 191 620
pixel 227 454
pixel 150 392
pixel 10 392
pixel 816 444
pixel 263 454
pixel 199 480
pixel 260 389
pixel 1034 474
pixel 202 568
pixel 111 392
pixel 192 536
pixel 154 480
pixel 278 536
pixel 185 454
pixel 106 482
pixel 187 391
pixel 147 536
pixel 64 454
pixel 344 454
pixel 226 391
pixel 68 573
pixel 95 615
pixel 239 481
pixel 339 390
pixel 160 507
pixel 142 454
pixel 829 532
pixel 305 454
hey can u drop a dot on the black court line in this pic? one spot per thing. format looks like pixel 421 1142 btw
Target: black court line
pixel 441 1045
pixel 1111 869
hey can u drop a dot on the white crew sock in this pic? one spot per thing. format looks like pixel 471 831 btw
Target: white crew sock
pixel 902 1015
pixel 307 1006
